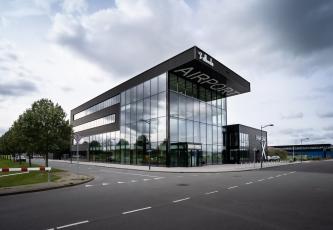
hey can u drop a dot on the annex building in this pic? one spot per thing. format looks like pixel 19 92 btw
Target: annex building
pixel 174 114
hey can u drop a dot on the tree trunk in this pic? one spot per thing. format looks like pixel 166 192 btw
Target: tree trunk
pixel 47 160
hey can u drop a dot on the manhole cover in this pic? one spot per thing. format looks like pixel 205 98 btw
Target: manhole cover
pixel 182 184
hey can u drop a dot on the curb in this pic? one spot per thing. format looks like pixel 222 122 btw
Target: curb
pixel 146 170
pixel 45 189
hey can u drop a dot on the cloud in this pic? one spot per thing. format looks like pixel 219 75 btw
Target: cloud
pixel 325 114
pixel 298 115
pixel 295 132
pixel 17 89
pixel 328 128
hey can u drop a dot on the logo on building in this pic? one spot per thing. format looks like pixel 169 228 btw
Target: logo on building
pixel 205 58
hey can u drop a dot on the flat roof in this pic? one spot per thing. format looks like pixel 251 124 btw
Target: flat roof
pixel 193 64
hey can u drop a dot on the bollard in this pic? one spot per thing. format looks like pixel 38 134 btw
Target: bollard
pixel 48 176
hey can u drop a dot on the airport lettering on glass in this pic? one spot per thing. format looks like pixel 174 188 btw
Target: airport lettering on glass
pixel 202 78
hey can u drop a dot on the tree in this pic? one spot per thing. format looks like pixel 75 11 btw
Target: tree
pixel 41 129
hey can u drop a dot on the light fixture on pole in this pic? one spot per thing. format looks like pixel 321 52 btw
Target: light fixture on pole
pixel 303 139
pixel 262 143
pixel 77 139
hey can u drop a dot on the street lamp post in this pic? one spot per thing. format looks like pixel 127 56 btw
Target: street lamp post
pixel 303 139
pixel 261 142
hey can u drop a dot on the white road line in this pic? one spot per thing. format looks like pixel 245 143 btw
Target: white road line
pixel 269 178
pixel 136 210
pixel 146 179
pixel 89 185
pixel 278 175
pixel 158 178
pixel 284 174
pixel 250 182
pixel 104 184
pixel 120 182
pixel 207 193
pixel 74 224
pixel 261 180
pixel 133 181
pixel 176 201
pixel 292 172
pixel 232 187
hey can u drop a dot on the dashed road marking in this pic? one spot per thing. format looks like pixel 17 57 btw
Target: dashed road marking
pixel 284 174
pixel 88 185
pixel 250 182
pixel 104 184
pixel 133 181
pixel 158 178
pixel 212 192
pixel 146 179
pixel 136 210
pixel 269 178
pixel 292 172
pixel 180 200
pixel 121 182
pixel 70 225
pixel 232 187
pixel 260 180
pixel 278 175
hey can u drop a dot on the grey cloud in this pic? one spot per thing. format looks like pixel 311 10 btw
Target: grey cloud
pixel 295 132
pixel 17 89
pixel 298 115
pixel 328 128
pixel 325 114
pixel 302 26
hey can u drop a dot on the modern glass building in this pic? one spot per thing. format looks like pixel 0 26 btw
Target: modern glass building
pixel 174 114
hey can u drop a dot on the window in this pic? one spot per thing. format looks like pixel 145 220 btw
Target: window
pixel 95 123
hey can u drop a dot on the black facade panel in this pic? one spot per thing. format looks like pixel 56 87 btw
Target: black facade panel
pixel 100 129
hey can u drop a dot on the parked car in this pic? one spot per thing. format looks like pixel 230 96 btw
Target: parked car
pixel 18 158
pixel 273 158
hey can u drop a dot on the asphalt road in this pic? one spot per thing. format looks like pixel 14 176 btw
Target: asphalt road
pixel 287 197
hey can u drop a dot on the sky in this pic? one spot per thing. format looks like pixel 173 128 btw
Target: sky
pixel 73 50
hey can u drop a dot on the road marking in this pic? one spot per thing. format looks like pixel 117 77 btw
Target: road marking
pixel 136 210
pixel 284 174
pixel 278 175
pixel 207 193
pixel 176 201
pixel 232 187
pixel 195 175
pixel 146 179
pixel 269 178
pixel 74 224
pixel 133 181
pixel 292 172
pixel 249 182
pixel 88 185
pixel 120 182
pixel 134 174
pixel 104 184
pixel 158 178
pixel 261 180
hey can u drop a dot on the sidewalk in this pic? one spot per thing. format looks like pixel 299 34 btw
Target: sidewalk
pixel 202 169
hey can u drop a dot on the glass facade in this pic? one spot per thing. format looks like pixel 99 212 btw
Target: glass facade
pixel 107 103
pixel 172 120
pixel 143 123
pixel 197 120
pixel 96 123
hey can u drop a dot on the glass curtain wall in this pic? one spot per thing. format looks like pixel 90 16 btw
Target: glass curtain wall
pixel 197 124
pixel 143 123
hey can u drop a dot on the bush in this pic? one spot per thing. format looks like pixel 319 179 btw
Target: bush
pixel 283 154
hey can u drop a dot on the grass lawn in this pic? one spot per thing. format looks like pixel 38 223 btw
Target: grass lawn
pixel 27 178
pixel 24 179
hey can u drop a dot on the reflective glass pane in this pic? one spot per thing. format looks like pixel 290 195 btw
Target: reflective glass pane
pixel 133 112
pixel 154 86
pixel 153 131
pixel 139 110
pixel 146 109
pixel 189 131
pixel 162 82
pixel 181 85
pixel 146 89
pixel 173 82
pixel 182 130
pixel 189 108
pixel 173 104
pixel 203 116
pixel 173 129
pixel 196 110
pixel 133 94
pixel 196 132
pixel 161 129
pixel 153 106
pixel 182 106
pixel 139 91
pixel 162 104
pixel 128 96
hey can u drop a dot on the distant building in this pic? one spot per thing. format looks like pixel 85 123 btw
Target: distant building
pixel 308 151
pixel 244 144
